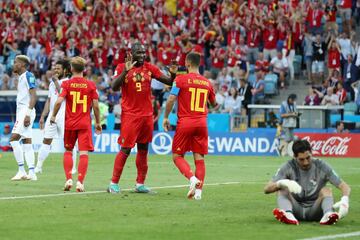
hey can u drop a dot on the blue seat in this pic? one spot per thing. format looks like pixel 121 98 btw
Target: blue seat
pixel 271 78
pixel 251 68
pixel 270 88
pixel 350 108
pixel 252 79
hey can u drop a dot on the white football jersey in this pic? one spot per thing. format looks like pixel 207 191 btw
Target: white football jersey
pixel 25 83
pixel 53 95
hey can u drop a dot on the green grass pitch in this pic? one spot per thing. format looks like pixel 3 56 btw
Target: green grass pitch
pixel 235 211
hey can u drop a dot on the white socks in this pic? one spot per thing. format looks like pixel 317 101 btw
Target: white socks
pixel 19 155
pixel 74 156
pixel 43 154
pixel 29 157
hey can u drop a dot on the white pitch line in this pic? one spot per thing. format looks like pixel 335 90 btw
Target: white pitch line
pixel 343 235
pixel 129 189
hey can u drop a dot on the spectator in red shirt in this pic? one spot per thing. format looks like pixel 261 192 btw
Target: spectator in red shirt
pixel 341 92
pixel 314 17
pixel 217 58
pixel 270 38
pixel 345 13
pixel 253 42
pixel 262 64
pixel 330 15
pixel 333 55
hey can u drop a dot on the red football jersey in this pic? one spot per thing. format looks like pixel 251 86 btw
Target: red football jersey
pixel 136 89
pixel 193 91
pixel 79 94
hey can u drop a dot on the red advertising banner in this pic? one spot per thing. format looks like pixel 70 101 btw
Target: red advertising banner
pixel 332 144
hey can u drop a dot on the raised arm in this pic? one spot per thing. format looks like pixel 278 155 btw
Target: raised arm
pixel 119 80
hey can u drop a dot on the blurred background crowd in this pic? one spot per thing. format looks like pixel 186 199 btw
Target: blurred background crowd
pixel 251 50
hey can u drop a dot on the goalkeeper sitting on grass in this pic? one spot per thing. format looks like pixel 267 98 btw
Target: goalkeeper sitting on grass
pixel 302 191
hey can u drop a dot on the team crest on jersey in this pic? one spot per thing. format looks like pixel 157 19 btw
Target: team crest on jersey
pixel 138 77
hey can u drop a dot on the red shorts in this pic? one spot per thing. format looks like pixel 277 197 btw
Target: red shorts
pixel 6 148
pixel 194 139
pixel 135 130
pixel 84 137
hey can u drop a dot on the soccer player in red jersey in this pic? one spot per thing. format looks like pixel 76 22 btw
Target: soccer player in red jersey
pixel 192 92
pixel 134 78
pixel 80 95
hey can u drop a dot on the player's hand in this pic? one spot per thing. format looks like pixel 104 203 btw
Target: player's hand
pixel 52 120
pixel 55 77
pixel 291 185
pixel 173 67
pixel 27 121
pixel 98 128
pixel 166 124
pixel 343 206
pixel 42 123
pixel 129 64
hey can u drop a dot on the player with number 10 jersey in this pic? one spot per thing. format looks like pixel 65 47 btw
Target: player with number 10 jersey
pixel 193 92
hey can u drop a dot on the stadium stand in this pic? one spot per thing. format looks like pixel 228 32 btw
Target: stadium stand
pixel 229 34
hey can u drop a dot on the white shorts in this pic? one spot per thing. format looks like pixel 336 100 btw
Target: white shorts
pixel 19 128
pixel 317 67
pixel 52 131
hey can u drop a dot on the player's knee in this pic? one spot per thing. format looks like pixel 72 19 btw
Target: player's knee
pixel 325 192
pixel 283 192
pixel 27 141
pixel 47 141
pixel 126 150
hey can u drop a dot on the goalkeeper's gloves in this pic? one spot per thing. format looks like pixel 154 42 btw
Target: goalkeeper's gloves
pixel 343 206
pixel 293 186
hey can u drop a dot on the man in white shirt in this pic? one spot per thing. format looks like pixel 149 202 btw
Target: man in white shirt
pixel 25 116
pixel 330 98
pixel 61 71
pixel 280 66
pixel 33 50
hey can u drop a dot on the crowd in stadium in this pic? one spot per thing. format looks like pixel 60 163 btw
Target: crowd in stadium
pixel 242 43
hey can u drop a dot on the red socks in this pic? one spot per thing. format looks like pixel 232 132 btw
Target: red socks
pixel 141 165
pixel 82 168
pixel 68 164
pixel 200 171
pixel 183 167
pixel 119 163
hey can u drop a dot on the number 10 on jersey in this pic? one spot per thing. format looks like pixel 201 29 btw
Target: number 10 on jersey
pixel 77 100
pixel 196 96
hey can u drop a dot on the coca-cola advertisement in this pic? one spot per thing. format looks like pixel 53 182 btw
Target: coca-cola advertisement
pixel 333 145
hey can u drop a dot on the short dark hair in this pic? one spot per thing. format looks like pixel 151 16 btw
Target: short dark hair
pixel 193 58
pixel 292 96
pixel 65 63
pixel 300 146
pixel 136 46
